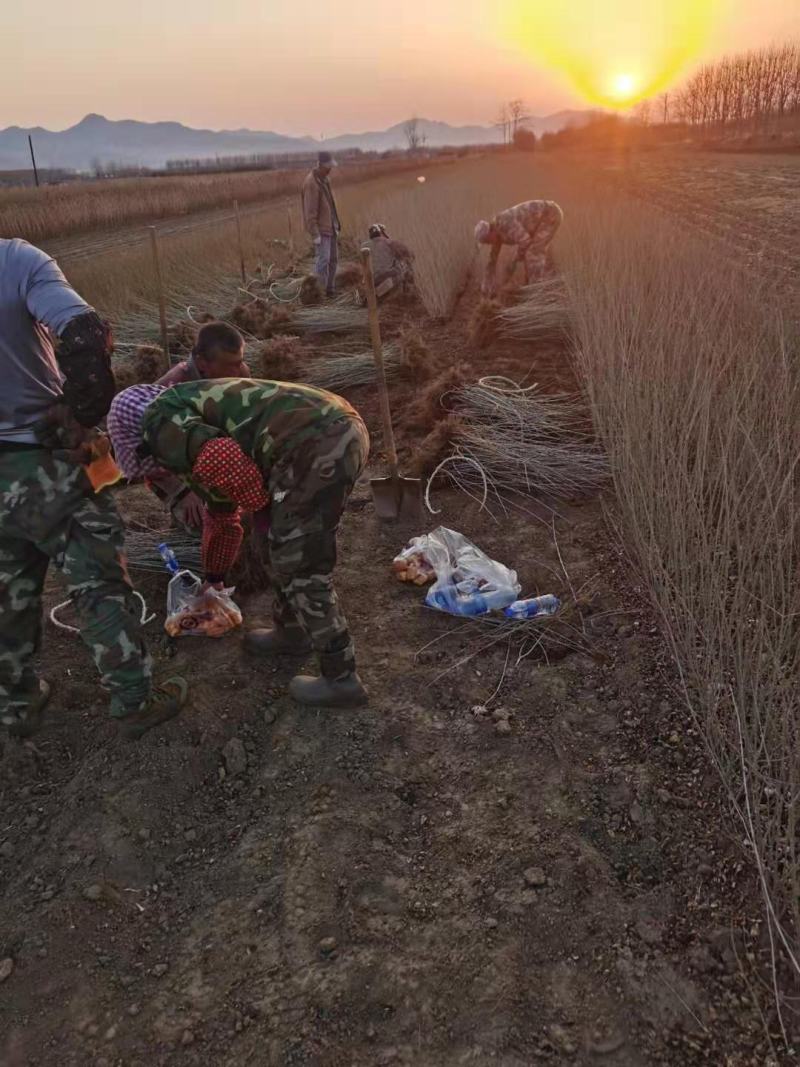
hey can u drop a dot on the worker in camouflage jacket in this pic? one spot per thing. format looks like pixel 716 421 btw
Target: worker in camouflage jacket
pixel 530 228
pixel 50 511
pixel 291 455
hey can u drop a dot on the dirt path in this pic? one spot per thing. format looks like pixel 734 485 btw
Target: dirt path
pixel 503 860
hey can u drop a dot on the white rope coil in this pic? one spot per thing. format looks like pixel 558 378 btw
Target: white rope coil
pixel 144 618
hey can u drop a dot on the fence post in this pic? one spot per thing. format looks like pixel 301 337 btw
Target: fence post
pixel 291 237
pixel 162 307
pixel 241 246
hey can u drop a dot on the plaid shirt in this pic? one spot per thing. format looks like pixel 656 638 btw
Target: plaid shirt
pixel 125 429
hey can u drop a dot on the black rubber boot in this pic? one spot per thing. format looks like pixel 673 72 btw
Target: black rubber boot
pixel 163 704
pixel 345 692
pixel 31 721
pixel 280 641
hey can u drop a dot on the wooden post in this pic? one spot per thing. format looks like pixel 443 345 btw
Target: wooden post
pixel 162 307
pixel 241 246
pixel 33 161
pixel 291 237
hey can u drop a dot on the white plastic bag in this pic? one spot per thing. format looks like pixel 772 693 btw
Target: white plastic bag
pixel 194 612
pixel 467 582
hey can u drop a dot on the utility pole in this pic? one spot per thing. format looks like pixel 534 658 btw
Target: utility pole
pixel 33 160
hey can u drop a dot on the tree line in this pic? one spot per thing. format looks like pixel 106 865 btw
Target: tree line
pixel 747 89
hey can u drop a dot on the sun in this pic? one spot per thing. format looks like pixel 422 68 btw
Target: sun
pixel 623 86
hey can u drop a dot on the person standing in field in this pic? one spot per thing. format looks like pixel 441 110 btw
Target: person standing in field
pixel 322 221
pixel 530 227
pixel 53 507
pixel 290 455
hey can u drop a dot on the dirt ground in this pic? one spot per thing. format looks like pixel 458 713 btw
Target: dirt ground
pixel 504 859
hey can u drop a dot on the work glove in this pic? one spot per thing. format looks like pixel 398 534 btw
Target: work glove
pixel 317 241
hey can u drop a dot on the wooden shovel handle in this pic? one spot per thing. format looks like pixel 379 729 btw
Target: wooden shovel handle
pixel 377 351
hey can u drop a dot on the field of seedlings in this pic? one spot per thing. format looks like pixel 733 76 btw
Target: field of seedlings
pixel 566 841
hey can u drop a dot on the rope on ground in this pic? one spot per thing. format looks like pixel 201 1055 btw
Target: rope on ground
pixel 144 618
pixel 453 459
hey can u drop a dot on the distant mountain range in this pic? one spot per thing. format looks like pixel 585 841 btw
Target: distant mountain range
pixel 152 144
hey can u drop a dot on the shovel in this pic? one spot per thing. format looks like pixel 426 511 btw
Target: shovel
pixel 394 497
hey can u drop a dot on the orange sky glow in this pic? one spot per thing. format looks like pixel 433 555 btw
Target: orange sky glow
pixel 326 68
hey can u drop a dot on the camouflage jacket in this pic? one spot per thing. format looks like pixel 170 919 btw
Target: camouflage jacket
pixel 266 419
pixel 516 225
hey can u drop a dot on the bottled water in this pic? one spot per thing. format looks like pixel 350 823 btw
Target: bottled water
pixel 537 605
pixel 452 600
pixel 169 557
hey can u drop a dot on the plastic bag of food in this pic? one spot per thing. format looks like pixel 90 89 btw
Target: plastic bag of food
pixel 467 581
pixel 195 612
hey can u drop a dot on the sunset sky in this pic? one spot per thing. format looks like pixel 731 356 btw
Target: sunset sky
pixel 325 68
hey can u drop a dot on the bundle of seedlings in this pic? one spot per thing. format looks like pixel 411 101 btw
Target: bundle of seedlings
pixel 435 446
pixel 141 549
pixel 543 315
pixel 181 337
pixel 349 276
pixel 517 441
pixel 484 323
pixel 330 318
pixel 311 292
pixel 124 376
pixel 346 371
pixel 434 402
pixel 281 358
pixel 260 319
pixel 416 358
pixel 148 364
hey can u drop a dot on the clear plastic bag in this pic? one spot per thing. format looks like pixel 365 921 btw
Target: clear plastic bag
pixel 467 581
pixel 194 612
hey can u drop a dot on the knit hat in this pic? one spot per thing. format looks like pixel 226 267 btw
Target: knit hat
pixel 483 231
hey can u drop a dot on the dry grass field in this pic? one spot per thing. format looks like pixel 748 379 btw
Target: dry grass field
pixel 574 845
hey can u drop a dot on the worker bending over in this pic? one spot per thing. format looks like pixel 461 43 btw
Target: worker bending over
pixel 391 261
pixel 218 352
pixel 289 453
pixel 530 227
pixel 50 403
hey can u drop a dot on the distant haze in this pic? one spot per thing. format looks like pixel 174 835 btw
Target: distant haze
pixel 95 139
pixel 322 69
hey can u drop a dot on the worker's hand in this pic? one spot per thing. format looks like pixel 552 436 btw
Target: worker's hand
pixel 317 241
pixel 211 583
pixel 189 511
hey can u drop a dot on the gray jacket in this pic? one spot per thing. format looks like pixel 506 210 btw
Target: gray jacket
pixel 34 297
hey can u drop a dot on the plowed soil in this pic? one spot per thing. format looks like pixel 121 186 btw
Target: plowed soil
pixel 510 857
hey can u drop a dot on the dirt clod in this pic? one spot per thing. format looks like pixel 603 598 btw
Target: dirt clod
pixel 535 877
pixel 93 892
pixel 503 727
pixel 327 946
pixel 6 968
pixel 235 756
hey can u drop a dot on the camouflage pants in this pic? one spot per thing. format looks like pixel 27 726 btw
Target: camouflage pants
pixel 309 490
pixel 533 254
pixel 48 513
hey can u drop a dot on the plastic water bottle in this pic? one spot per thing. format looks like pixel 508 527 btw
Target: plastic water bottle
pixel 169 557
pixel 472 604
pixel 537 605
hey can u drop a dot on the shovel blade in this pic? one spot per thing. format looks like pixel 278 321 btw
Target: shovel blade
pixel 397 498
